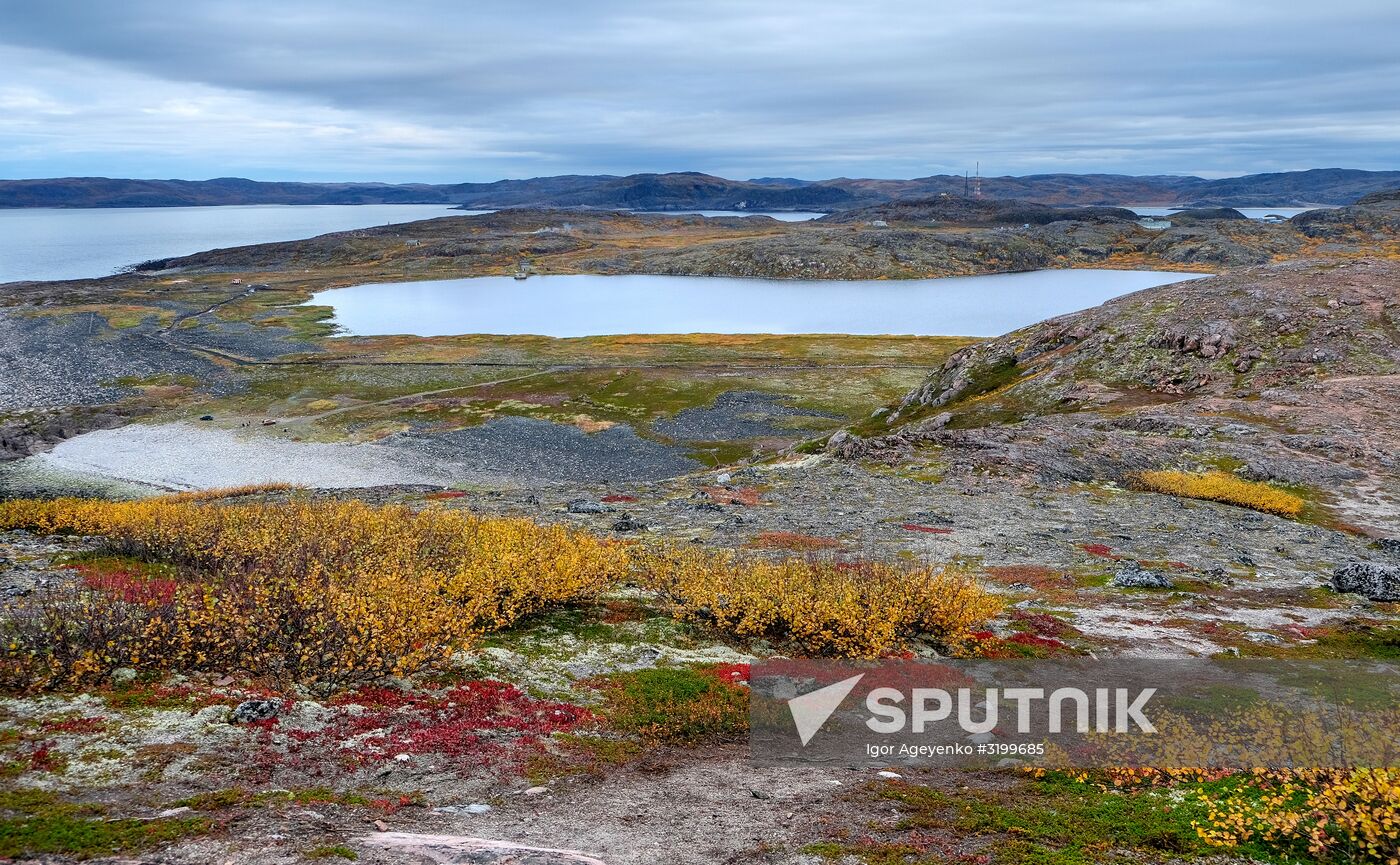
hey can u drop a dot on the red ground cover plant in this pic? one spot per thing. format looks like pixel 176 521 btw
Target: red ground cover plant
pixel 74 725
pixel 793 541
pixel 932 530
pixel 618 497
pixel 444 494
pixel 475 724
pixel 128 586
pixel 43 758
pixel 728 673
pixel 1041 624
pixel 1035 576
pixel 985 644
pixel 617 612
pixel 746 496
pixel 1103 551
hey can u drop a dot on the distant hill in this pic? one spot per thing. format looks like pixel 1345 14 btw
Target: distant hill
pixel 956 210
pixel 696 191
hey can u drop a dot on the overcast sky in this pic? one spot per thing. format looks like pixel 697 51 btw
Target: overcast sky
pixel 462 90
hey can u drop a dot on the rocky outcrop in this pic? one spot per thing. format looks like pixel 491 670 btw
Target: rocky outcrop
pixel 1374 581
pixel 1202 214
pixel 1215 340
pixel 1132 575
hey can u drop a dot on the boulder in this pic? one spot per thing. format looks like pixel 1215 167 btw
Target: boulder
pixel 1132 575
pixel 629 524
pixel 1376 582
pixel 587 506
pixel 249 711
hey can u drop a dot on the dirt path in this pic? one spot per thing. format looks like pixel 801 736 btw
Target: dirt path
pixel 312 418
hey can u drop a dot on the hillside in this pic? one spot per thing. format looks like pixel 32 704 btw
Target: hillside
pixel 1282 372
pixel 697 191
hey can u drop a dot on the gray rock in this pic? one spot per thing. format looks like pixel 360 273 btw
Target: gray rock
pixel 254 710
pixel 627 524
pixel 933 424
pixel 587 506
pixel 1132 575
pixel 1376 582
pixel 473 808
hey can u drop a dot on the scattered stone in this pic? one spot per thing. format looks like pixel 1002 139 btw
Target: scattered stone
pixel 473 808
pixel 381 826
pixel 536 791
pixel 1375 582
pixel 1264 637
pixel 1132 575
pixel 175 812
pixel 933 424
pixel 760 794
pixel 587 506
pixel 888 774
pixel 254 710
pixel 628 524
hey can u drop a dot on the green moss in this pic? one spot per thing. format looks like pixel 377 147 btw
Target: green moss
pixel 1356 640
pixel 1056 820
pixel 675 706
pixel 332 851
pixel 580 755
pixel 38 823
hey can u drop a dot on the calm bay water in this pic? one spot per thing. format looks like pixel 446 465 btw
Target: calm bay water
pixel 44 243
pixel 589 305
pixel 1251 212
pixel 780 215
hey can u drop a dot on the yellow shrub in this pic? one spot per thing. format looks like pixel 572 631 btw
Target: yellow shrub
pixel 823 607
pixel 328 592
pixel 335 592
pixel 1224 487
pixel 229 492
pixel 1329 814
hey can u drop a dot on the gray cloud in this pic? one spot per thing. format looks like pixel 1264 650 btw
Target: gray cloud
pixel 450 90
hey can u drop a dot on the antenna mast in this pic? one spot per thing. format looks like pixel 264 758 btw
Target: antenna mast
pixel 977 182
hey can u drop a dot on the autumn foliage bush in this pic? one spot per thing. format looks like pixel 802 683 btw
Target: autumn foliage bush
pixel 1217 486
pixel 819 606
pixel 323 592
pixel 342 593
pixel 1301 814
pixel 1342 815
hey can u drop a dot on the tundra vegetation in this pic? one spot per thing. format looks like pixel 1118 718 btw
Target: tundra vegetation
pixel 1178 471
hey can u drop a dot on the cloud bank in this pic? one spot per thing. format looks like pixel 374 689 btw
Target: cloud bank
pixel 448 91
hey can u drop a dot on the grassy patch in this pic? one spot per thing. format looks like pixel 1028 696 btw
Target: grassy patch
pixel 581 755
pixel 332 851
pixel 1350 640
pixel 1055 820
pixel 676 706
pixel 37 823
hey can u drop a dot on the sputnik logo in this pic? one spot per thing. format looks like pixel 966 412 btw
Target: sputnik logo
pixel 811 710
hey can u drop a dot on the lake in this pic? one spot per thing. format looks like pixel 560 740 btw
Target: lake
pixel 590 305
pixel 1251 212
pixel 780 215
pixel 53 243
